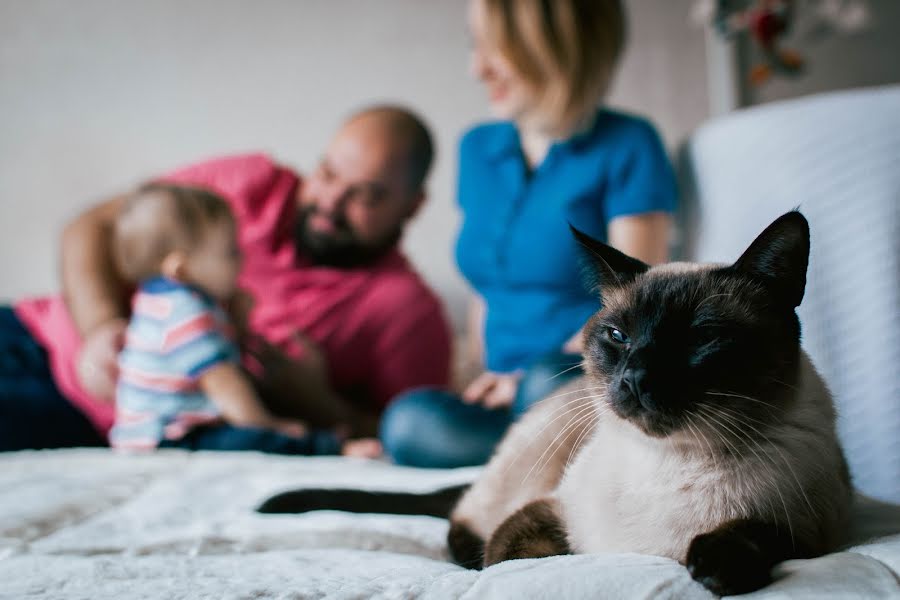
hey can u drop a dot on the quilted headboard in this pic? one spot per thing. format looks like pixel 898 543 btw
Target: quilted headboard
pixel 836 157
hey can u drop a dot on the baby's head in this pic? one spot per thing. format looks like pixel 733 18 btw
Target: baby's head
pixel 182 233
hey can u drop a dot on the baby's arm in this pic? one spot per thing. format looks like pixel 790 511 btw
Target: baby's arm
pixel 229 388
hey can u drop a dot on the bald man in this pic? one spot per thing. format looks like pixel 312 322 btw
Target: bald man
pixel 338 322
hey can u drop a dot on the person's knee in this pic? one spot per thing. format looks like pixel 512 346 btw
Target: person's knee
pixel 405 421
pixel 435 429
pixel 543 377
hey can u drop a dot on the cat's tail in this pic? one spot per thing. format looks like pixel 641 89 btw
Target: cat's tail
pixel 436 504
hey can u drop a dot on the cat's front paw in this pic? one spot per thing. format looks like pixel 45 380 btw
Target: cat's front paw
pixel 727 563
pixel 466 548
pixel 534 531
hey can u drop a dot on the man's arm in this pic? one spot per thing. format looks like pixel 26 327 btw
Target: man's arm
pixel 95 294
pixel 300 388
pixel 94 291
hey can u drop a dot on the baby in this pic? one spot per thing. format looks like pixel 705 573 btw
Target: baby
pixel 180 383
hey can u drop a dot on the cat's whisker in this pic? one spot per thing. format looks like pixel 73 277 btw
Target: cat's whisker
pixel 729 447
pixel 566 409
pixel 718 431
pixel 564 371
pixel 584 416
pixel 771 462
pixel 591 410
pixel 738 455
pixel 732 411
pixel 569 427
pixel 565 404
pixel 698 435
pixel 570 392
pixel 770 408
pixel 733 395
pixel 783 458
pixel 737 434
pixel 787 385
pixel 584 433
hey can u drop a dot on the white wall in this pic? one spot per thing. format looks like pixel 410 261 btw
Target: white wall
pixel 97 94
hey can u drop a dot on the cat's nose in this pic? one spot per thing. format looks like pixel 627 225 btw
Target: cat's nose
pixel 635 380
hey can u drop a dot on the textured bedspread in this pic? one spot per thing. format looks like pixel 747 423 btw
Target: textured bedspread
pixel 93 524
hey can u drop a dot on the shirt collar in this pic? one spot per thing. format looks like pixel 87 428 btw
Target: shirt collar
pixel 506 143
pixel 160 284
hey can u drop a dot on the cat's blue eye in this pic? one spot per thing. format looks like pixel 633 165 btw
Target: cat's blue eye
pixel 618 336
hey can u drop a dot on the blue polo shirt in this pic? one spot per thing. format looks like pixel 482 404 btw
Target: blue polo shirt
pixel 515 247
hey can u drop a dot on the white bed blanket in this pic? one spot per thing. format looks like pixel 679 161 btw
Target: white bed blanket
pixel 94 524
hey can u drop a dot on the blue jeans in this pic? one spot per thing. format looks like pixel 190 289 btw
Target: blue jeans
pixel 229 438
pixel 434 428
pixel 33 413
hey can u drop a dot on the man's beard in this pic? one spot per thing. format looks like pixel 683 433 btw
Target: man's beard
pixel 340 249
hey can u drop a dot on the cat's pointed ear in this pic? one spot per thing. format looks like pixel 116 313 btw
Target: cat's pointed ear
pixel 780 255
pixel 606 265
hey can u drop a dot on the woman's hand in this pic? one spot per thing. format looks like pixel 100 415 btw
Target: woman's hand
pixel 492 390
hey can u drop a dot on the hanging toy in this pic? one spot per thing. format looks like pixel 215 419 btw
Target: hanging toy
pixel 767 23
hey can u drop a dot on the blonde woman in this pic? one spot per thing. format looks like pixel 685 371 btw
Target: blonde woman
pixel 555 157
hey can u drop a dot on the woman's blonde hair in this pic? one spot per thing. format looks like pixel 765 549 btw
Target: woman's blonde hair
pixel 566 50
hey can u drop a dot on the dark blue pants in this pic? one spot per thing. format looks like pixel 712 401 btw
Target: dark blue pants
pixel 434 428
pixel 229 438
pixel 33 412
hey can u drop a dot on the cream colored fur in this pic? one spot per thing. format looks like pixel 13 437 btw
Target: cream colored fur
pixel 624 491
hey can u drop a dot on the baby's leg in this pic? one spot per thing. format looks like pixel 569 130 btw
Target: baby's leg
pixel 229 438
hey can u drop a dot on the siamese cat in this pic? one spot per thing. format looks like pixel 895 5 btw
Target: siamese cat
pixel 700 432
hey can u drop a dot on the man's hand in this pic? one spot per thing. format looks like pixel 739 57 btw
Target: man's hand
pixel 285 373
pixel 238 308
pixel 97 367
pixel 290 427
pixel 298 387
pixel 492 390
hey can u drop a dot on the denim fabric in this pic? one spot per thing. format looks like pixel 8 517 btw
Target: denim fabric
pixel 228 438
pixel 433 428
pixel 33 412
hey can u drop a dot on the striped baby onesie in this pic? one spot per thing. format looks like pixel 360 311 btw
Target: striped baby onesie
pixel 176 333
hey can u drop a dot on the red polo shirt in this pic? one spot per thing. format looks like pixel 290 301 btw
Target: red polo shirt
pixel 381 329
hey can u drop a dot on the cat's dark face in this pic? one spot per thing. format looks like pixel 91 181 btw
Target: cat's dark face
pixel 672 340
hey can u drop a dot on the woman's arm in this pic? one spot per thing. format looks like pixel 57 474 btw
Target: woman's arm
pixel 492 390
pixel 473 347
pixel 644 237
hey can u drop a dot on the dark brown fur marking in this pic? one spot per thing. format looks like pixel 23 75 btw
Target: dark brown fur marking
pixel 466 547
pixel 737 557
pixel 534 531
